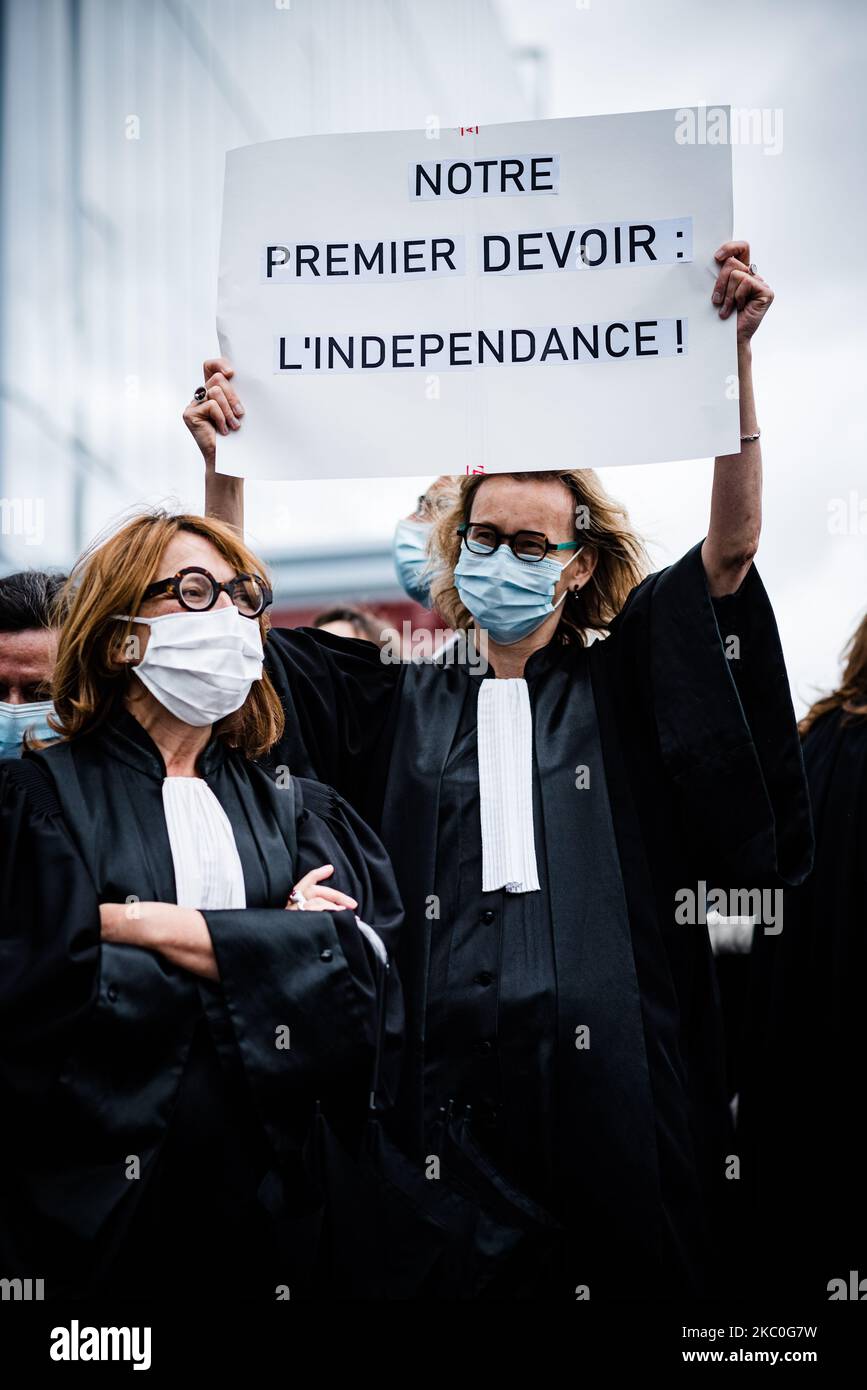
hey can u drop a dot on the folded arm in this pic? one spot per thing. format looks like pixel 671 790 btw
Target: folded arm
pixel 181 934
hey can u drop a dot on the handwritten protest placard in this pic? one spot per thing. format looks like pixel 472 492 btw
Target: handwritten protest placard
pixel 524 296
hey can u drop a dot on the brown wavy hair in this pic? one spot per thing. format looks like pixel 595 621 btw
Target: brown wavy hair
pixel 111 578
pixel 851 694
pixel 621 560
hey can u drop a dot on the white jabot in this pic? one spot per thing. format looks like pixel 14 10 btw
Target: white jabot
pixel 208 872
pixel 505 740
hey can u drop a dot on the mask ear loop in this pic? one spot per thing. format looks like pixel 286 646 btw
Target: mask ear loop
pixel 574 557
pixel 566 592
pixel 590 578
pixel 577 590
pixel 129 666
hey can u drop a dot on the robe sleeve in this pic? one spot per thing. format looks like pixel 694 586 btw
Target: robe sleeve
pixel 50 932
pixel 711 676
pixel 338 695
pixel 313 1007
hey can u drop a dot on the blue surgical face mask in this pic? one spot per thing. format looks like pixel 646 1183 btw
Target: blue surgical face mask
pixel 507 596
pixel 411 559
pixel 16 720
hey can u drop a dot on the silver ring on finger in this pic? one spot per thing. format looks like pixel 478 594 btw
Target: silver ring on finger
pixel 200 394
pixel 754 269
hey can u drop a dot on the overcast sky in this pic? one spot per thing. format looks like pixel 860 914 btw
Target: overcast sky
pixel 205 75
pixel 803 210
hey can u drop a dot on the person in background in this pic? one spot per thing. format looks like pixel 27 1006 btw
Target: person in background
pixel 801 1120
pixel 347 620
pixel 411 544
pixel 28 645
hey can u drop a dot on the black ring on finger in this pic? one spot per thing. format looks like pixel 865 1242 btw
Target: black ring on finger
pixel 200 394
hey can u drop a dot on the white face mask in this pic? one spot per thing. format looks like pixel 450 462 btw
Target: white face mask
pixel 200 666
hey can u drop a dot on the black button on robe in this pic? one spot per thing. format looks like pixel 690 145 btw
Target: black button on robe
pixel 695 775
pixel 111 1051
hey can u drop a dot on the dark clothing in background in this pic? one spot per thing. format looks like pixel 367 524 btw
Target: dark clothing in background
pixel 733 974
pixel 801 1116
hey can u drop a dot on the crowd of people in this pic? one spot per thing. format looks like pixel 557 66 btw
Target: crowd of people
pixel 495 1062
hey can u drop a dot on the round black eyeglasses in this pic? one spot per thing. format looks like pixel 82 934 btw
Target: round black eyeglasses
pixel 197 590
pixel 482 538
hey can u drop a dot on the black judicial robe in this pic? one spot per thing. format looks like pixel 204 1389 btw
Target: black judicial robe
pixel 695 774
pixel 801 1115
pixel 110 1051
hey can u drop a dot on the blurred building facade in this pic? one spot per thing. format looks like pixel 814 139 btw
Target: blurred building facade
pixel 116 115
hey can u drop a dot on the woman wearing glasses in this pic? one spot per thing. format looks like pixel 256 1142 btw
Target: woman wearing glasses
pixel 550 823
pixel 171 1023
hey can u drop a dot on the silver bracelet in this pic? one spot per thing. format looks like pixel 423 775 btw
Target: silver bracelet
pixel 751 438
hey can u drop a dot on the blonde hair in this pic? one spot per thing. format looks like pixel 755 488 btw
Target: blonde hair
pixel 621 560
pixel 110 578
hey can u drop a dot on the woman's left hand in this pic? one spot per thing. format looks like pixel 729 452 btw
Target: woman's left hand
pixel 178 933
pixel 314 896
pixel 736 289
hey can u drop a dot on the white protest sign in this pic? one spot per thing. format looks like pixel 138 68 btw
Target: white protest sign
pixel 534 295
